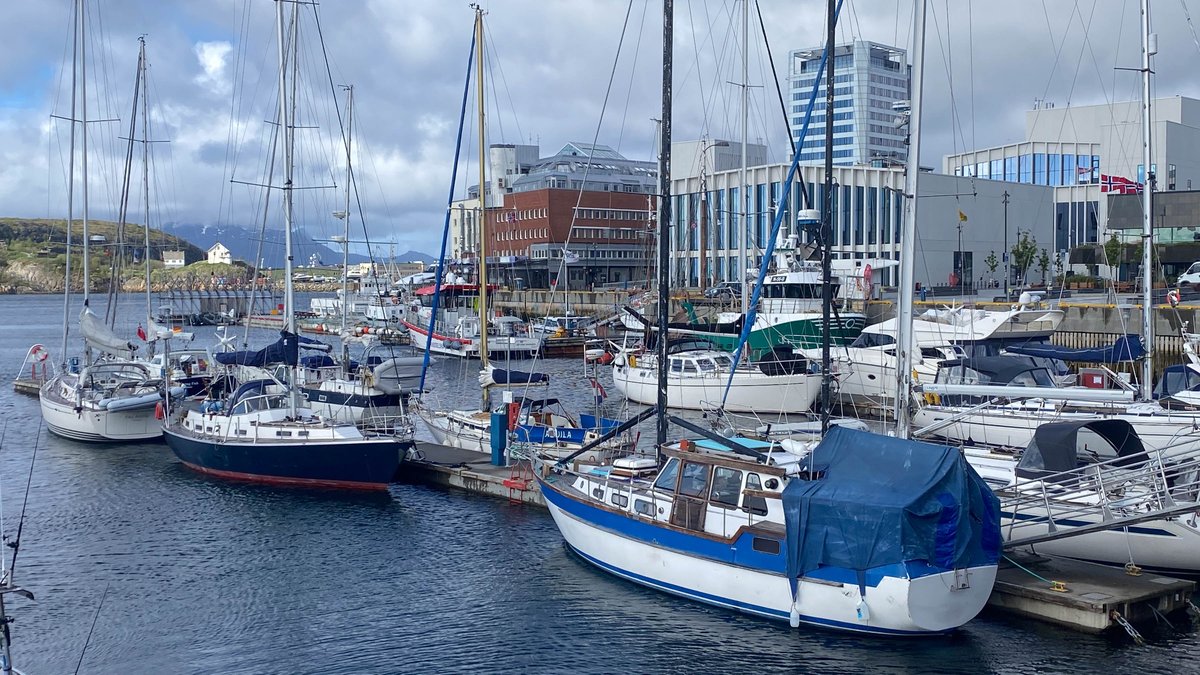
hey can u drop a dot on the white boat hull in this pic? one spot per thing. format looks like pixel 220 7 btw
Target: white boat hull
pixel 897 606
pixel 751 391
pixel 92 424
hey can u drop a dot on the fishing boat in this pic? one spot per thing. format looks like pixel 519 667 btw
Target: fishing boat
pixel 107 395
pixel 457 329
pixel 263 432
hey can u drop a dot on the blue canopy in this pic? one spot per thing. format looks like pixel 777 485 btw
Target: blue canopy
pixel 1125 348
pixel 882 501
pixel 502 376
pixel 284 350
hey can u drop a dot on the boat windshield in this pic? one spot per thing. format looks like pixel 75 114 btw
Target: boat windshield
pixel 667 478
pixel 866 340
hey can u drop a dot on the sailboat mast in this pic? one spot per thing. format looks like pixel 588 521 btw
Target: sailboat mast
pixel 908 234
pixel 827 220
pixel 145 171
pixel 71 181
pixel 346 234
pixel 1149 48
pixel 286 126
pixel 744 221
pixel 83 131
pixel 664 220
pixel 483 220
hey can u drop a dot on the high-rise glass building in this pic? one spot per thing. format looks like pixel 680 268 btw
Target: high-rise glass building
pixel 869 79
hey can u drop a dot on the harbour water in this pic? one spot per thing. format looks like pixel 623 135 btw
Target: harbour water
pixel 206 576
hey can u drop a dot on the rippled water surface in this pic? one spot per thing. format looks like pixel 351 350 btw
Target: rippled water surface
pixel 205 576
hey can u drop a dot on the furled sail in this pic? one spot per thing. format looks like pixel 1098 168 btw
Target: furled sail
pixel 101 337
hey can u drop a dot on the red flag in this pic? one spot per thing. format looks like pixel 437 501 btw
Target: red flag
pixel 141 332
pixel 1119 184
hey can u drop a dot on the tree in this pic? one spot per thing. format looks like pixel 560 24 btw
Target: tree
pixel 1023 253
pixel 1112 254
pixel 992 263
pixel 1043 264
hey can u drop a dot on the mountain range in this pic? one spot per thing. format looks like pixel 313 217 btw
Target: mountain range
pixel 243 244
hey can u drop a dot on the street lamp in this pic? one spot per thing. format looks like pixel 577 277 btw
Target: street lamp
pixel 705 146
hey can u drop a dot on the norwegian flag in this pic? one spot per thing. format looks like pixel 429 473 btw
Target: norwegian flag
pixel 1119 185
pixel 598 390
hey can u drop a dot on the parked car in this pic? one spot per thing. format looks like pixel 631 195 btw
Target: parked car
pixel 725 289
pixel 1191 277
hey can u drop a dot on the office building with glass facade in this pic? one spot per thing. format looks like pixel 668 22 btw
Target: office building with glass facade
pixel 868 210
pixel 869 78
pixel 1067 149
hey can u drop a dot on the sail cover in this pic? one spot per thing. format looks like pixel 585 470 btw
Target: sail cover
pixel 100 337
pixel 493 376
pixel 284 350
pixel 1125 348
pixel 884 500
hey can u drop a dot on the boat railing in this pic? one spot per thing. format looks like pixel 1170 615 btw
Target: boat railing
pixel 259 403
pixel 38 364
pixel 1104 495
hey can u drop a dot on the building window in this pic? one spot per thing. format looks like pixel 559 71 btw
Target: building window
pixel 996 169
pixel 1010 169
pixel 1070 173
pixel 1039 168
pixel 886 225
pixel 846 211
pixel 1025 165
pixel 1055 162
pixel 872 200
pixel 858 214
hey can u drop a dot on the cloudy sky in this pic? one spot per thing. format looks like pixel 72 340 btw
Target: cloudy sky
pixel 213 88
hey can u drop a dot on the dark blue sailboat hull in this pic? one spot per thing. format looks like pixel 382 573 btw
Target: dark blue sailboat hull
pixel 368 465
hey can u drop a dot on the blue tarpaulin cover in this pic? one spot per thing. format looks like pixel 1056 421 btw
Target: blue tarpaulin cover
pixel 884 500
pixel 284 350
pixel 1125 348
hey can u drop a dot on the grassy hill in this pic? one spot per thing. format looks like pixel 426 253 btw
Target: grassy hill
pixel 33 253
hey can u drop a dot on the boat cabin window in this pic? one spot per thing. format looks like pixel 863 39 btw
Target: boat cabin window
pixel 1036 377
pixel 931 353
pixel 676 365
pixel 1092 448
pixel 726 486
pixel 755 505
pixel 770 546
pixel 794 291
pixel 694 481
pixel 668 477
pixel 706 365
pixel 961 374
pixel 689 367
pixel 865 340
pixel 723 362
pixel 644 507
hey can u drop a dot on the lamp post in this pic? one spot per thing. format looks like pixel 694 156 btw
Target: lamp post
pixel 1006 272
pixel 705 146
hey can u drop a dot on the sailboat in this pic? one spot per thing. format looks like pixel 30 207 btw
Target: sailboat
pixel 263 432
pixel 536 425
pixel 113 397
pixel 372 391
pixel 840 536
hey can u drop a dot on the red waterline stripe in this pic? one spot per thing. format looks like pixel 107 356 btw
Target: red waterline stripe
pixel 279 480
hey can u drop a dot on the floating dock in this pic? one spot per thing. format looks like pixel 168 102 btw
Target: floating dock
pixel 28 386
pixel 474 472
pixel 1083 595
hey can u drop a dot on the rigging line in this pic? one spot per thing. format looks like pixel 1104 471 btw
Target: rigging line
pixel 441 266
pixel 16 543
pixel 591 156
pixel 696 55
pixel 971 67
pixel 95 618
pixel 492 63
pixel 778 89
pixel 1191 26
pixel 345 133
pixel 637 48
pixel 499 64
